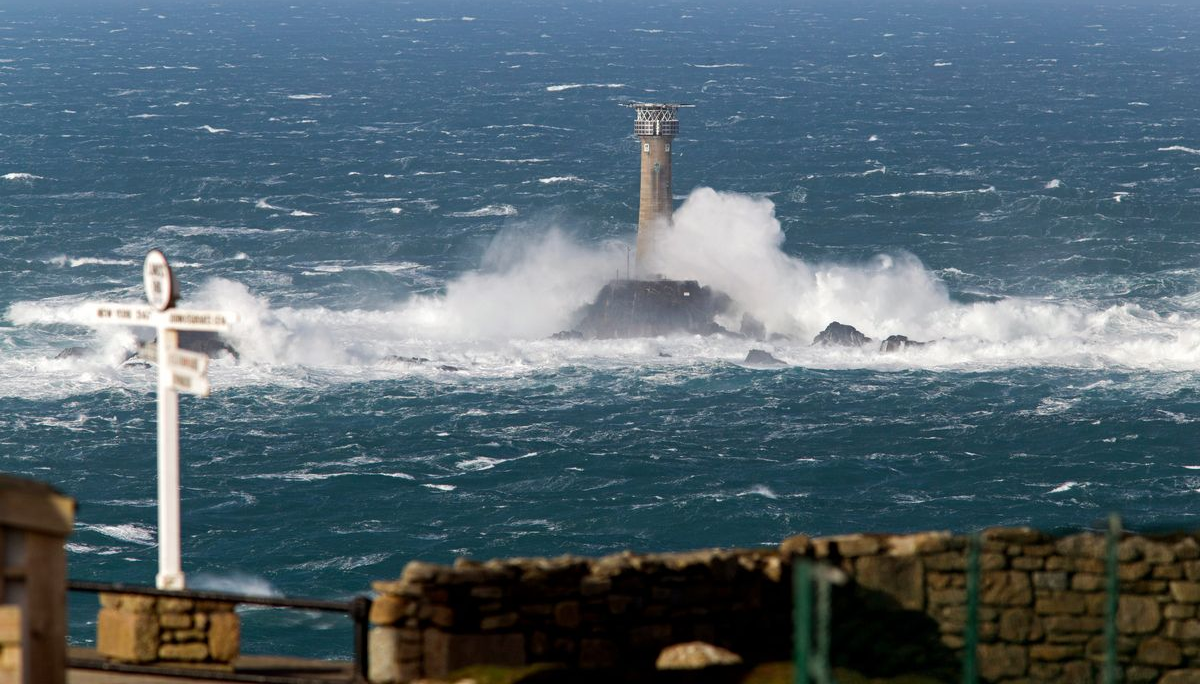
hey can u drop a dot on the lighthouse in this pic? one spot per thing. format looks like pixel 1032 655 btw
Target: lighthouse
pixel 655 126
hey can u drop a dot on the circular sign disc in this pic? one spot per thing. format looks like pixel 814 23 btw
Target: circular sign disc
pixel 160 284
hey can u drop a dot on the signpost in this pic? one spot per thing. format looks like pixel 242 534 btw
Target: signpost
pixel 179 370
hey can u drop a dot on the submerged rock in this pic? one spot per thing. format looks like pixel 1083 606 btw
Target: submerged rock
pixel 758 357
pixel 567 335
pixel 840 335
pixel 73 353
pixel 210 344
pixel 650 308
pixel 896 343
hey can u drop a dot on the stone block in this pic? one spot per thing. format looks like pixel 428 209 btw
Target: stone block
pixel 127 636
pixel 1159 651
pixel 200 620
pixel 383 656
pixel 1085 545
pixel 489 592
pixel 902 578
pixel 1084 581
pixel 854 545
pixel 1184 630
pixel 1005 588
pixel 1061 603
pixel 170 604
pixel 1055 652
pixel 598 654
pixel 1045 672
pixel 1038 550
pixel 919 543
pixel 1049 581
pixel 444 652
pixel 130 603
pixel 595 586
pixel 1191 569
pixel 187 653
pixel 1176 611
pixel 1078 672
pixel 1140 674
pixel 1020 625
pixel 10 625
pixel 174 620
pixel 998 661
pixel 1186 592
pixel 224 636
pixel 567 614
pixel 948 560
pixel 1138 614
pixel 1028 563
pixel 214 607
pixel 184 635
pixel 1014 535
pixel 1156 552
pixel 1073 624
pixel 1129 572
pixel 947 597
pixel 1167 572
pixel 1186 549
pixel 389 609
pixel 695 655
pixel 1180 677
pixel 492 623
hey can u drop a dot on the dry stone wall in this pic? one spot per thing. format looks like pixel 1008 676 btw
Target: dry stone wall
pixel 146 629
pixel 1041 608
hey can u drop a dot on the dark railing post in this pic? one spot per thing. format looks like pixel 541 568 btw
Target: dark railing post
pixel 360 609
pixel 801 620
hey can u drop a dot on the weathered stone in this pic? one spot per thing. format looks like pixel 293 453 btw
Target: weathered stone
pixel 1078 672
pixel 1020 625
pixel 1167 572
pixel 181 635
pixel 595 586
pixel 188 653
pixel 1180 677
pixel 492 623
pixel 1159 651
pixel 389 609
pixel 1156 552
pixel 854 545
pixel 567 614
pixel 130 603
pixel 1052 581
pixel 1039 550
pixel 420 572
pixel 919 543
pixel 1191 569
pixel 1061 603
pixel 1087 545
pixel 798 545
pixel 1055 652
pixel 174 620
pixel 952 597
pixel 944 580
pixel 127 636
pixel 1186 549
pixel 1186 592
pixel 900 577
pixel 1014 535
pixel 695 655
pixel 172 604
pixel 1005 588
pixel 1083 581
pixel 598 654
pixel 997 661
pixel 213 607
pixel 1045 672
pixel 1059 563
pixel 1186 630
pixel 1140 674
pixel 1096 566
pixel 1129 572
pixel 948 560
pixel 1073 624
pixel 1175 611
pixel 224 637
pixel 383 656
pixel 1028 563
pixel 444 652
pixel 1138 614
pixel 200 620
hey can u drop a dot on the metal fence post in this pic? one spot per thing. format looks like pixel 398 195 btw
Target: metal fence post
pixel 1112 599
pixel 970 673
pixel 823 673
pixel 801 620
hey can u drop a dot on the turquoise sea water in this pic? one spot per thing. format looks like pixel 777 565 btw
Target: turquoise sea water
pixel 1018 181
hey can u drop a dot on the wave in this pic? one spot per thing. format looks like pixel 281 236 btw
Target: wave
pixel 64 260
pixel 936 193
pixel 489 210
pixel 573 86
pixel 20 177
pixel 128 532
pixel 212 129
pixel 1179 148
pixel 560 179
pixel 1052 184
pixel 309 96
pixel 731 65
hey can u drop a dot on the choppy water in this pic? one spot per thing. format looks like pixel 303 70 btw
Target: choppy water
pixel 1020 181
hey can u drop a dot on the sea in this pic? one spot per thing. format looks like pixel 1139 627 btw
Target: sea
pixel 404 200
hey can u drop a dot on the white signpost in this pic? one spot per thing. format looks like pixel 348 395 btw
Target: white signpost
pixel 179 370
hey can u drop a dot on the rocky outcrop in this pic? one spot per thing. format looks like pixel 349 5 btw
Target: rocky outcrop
pixel 840 335
pixel 650 308
pixel 695 655
pixel 758 357
pixel 210 344
pixel 897 343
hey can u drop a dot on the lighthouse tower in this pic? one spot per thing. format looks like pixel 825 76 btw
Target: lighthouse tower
pixel 656 125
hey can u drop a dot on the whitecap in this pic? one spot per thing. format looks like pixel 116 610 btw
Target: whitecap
pixel 1179 148
pixel 211 129
pixel 1066 486
pixel 560 179
pixel 89 261
pixel 309 96
pixel 489 210
pixel 730 65
pixel 573 86
pixel 760 490
pixel 1052 184
pixel 300 214
pixel 441 487
pixel 21 177
pixel 129 532
pixel 480 463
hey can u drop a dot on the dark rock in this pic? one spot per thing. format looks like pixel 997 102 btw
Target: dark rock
pixel 649 308
pixel 393 358
pixel 759 357
pixel 779 337
pixel 210 344
pixel 73 353
pixel 567 335
pixel 450 369
pixel 897 343
pixel 839 335
pixel 753 328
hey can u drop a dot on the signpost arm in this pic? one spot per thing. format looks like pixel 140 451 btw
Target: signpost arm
pixel 170 571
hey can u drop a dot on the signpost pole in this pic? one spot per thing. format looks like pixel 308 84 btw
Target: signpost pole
pixel 170 568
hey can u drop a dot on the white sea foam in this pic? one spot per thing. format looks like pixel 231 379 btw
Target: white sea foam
pixel 267 206
pixel 1064 487
pixel 479 463
pixel 234 583
pixel 212 129
pixel 573 86
pixel 1052 184
pixel 489 210
pixel 730 65
pixel 560 179
pixel 89 261
pixel 441 487
pixel 128 532
pixel 309 96
pixel 1179 148
pixel 20 177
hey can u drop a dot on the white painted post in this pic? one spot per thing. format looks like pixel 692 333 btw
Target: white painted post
pixel 178 371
